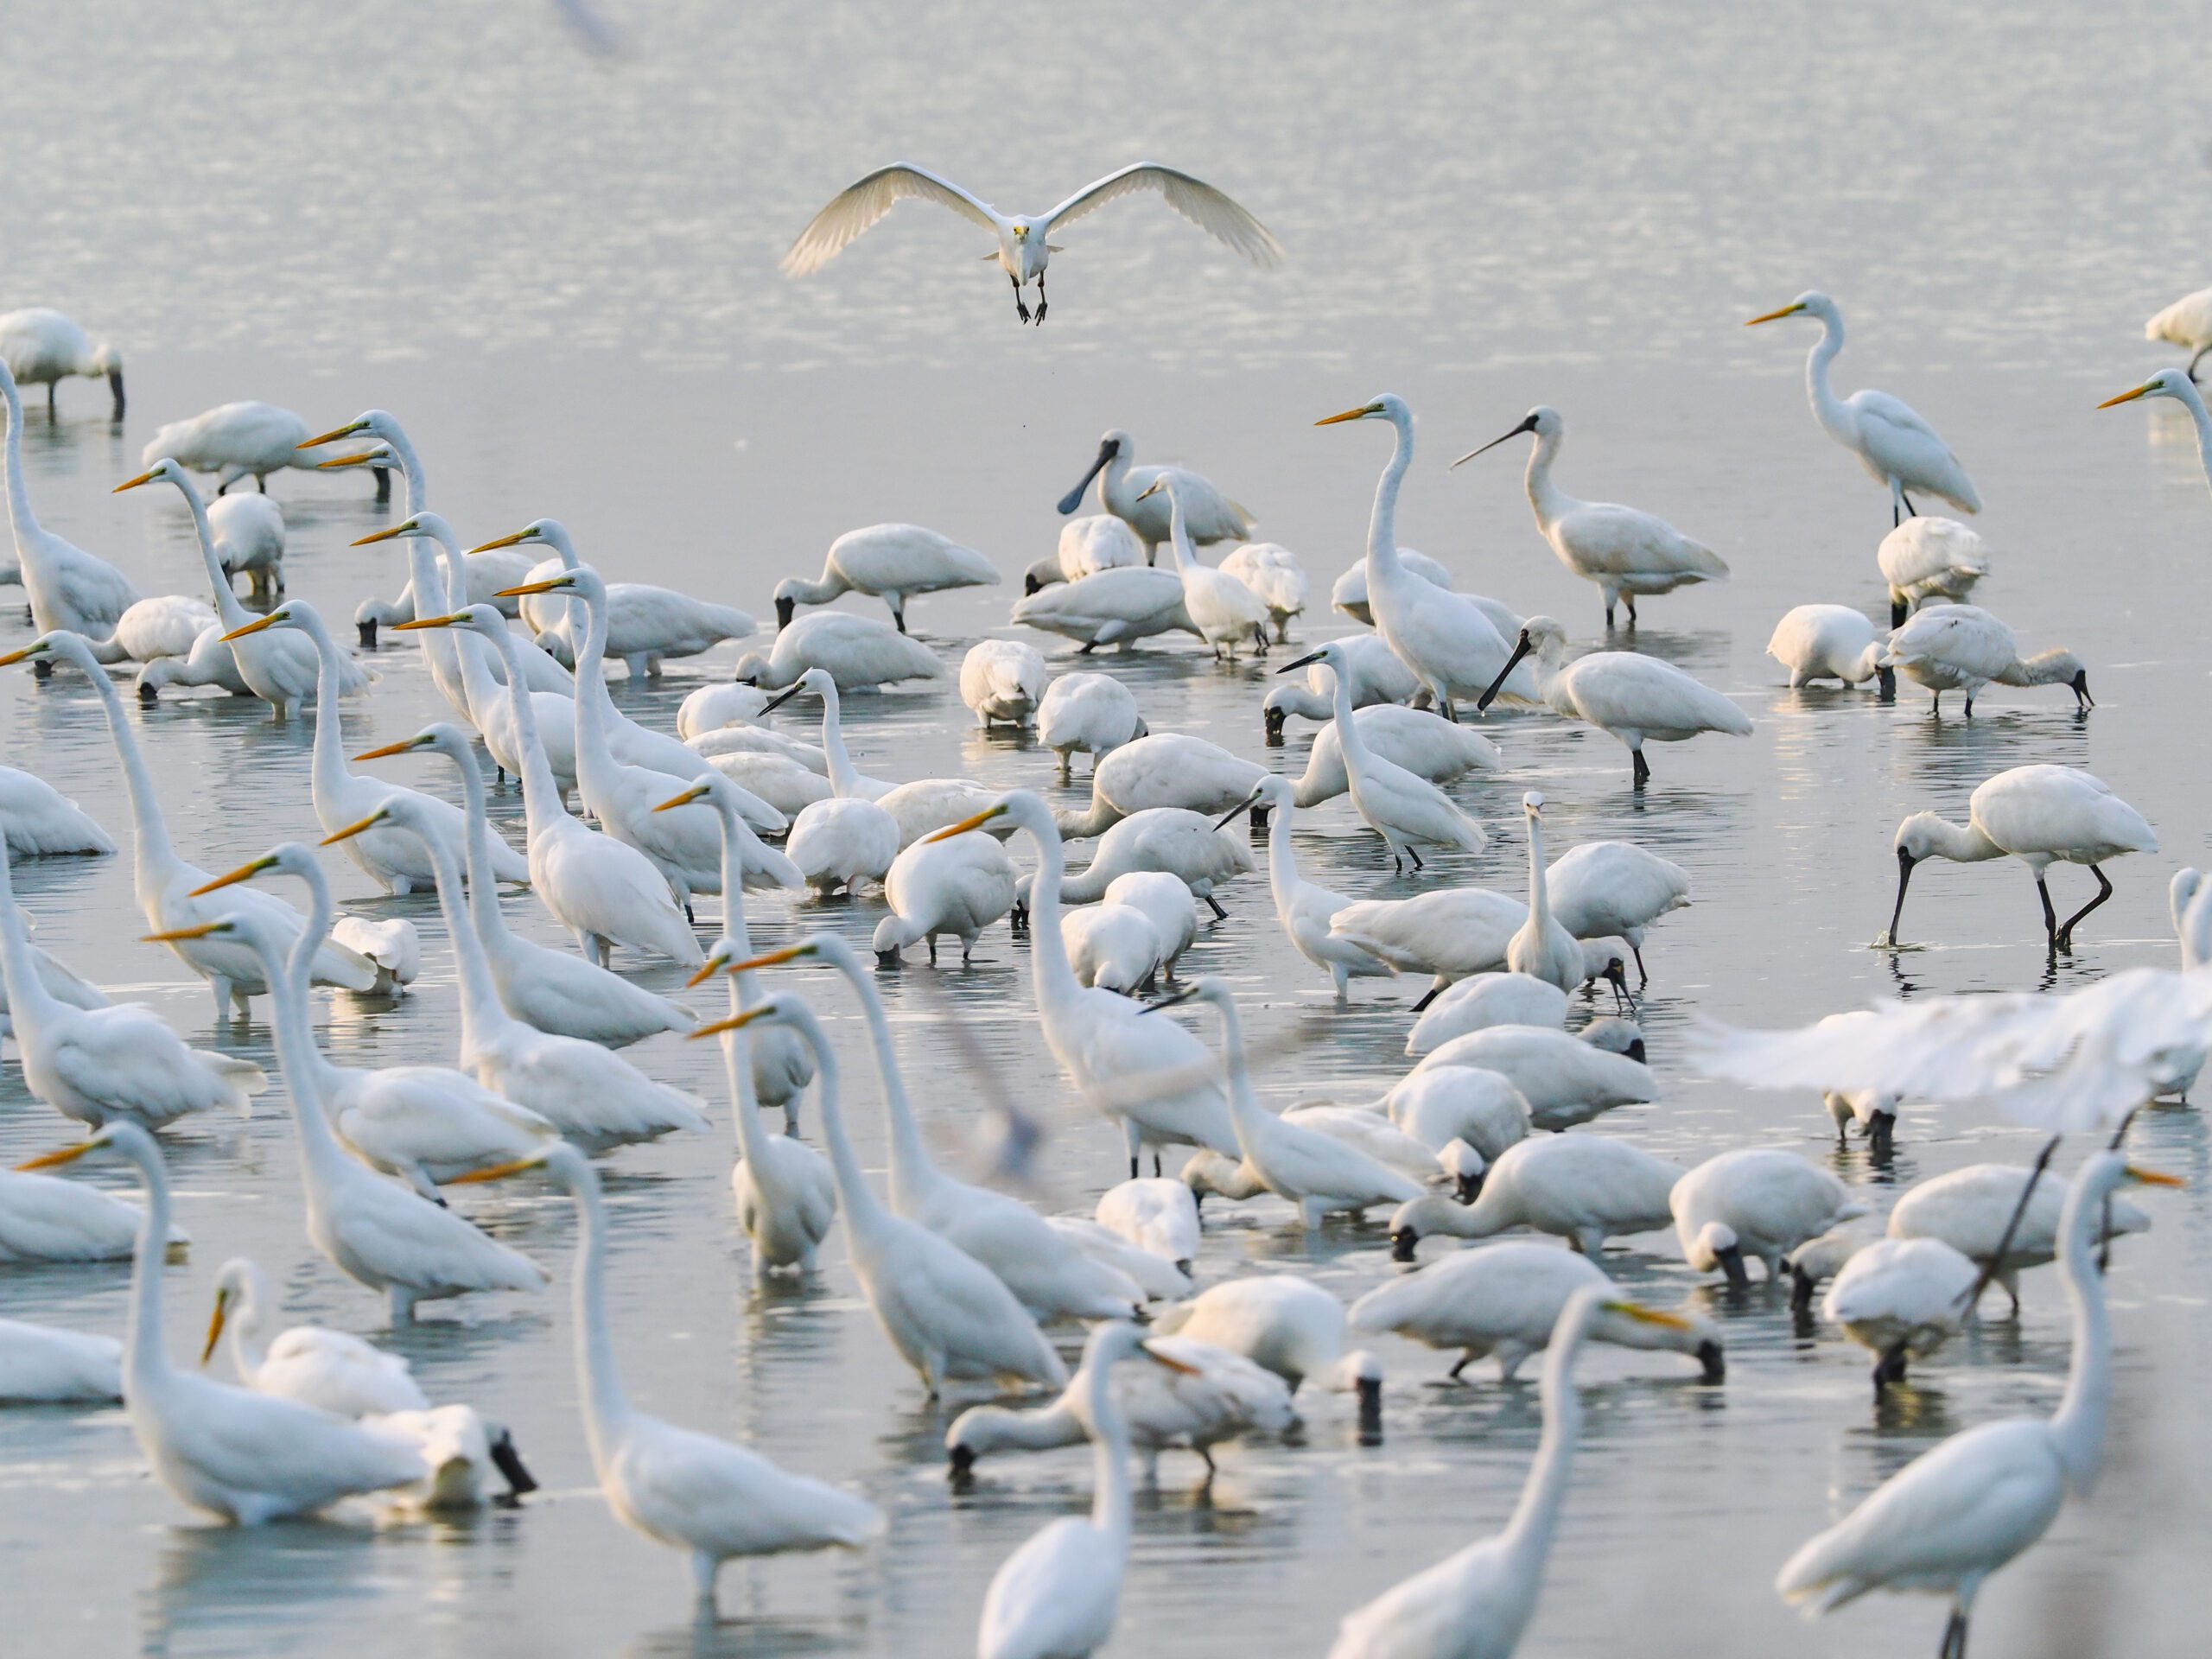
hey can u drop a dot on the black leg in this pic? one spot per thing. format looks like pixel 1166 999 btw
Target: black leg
pixel 1909 509
pixel 1155 1163
pixel 1642 974
pixel 2197 359
pixel 1898 611
pixel 1040 297
pixel 1413 854
pixel 1969 705
pixel 1132 1167
pixel 899 617
pixel 51 411
pixel 260 484
pixel 1020 305
pixel 1609 619
pixel 2104 892
pixel 1643 767
pixel 1630 602
pixel 1435 989
pixel 2012 1226
pixel 2050 916
pixel 1214 904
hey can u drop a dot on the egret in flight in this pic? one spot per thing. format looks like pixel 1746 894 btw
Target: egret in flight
pixel 1024 240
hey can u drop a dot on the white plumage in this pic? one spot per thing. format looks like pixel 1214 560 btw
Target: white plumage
pixel 1426 745
pixel 1116 606
pixel 1757 1201
pixel 1585 1188
pixel 1963 648
pixel 855 650
pixel 957 886
pixel 236 440
pixel 38 820
pixel 891 562
pixel 1003 682
pixel 1162 769
pixel 42 346
pixel 1928 557
pixel 1829 642
pixel 1093 712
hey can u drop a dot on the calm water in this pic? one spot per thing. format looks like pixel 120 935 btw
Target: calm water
pixel 558 270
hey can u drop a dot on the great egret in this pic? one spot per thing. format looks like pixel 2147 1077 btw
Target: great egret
pixel 1900 1299
pixel 41 1364
pixel 38 820
pixel 1634 698
pixel 1626 553
pixel 1542 948
pixel 891 562
pixel 60 983
pixel 244 1457
pixel 2187 323
pixel 591 1094
pixel 1273 572
pixel 1002 681
pixel 1151 1074
pixel 482 574
pixel 243 440
pixel 164 881
pixel 489 706
pixel 1451 645
pixel 1755 1201
pixel 1162 769
pixel 1952 1517
pixel 1585 1188
pixel 1963 648
pixel 1969 1209
pixel 456 574
pixel 1568 1080
pixel 65 587
pixel 1058 1595
pixel 1109 607
pixel 688 1490
pixel 423 1124
pixel 947 1315
pixel 40 346
pixel 2172 382
pixel 645 623
pixel 2041 815
pixel 1212 517
pixel 1373 671
pixel 1228 613
pixel 1025 244
pixel 1892 442
pixel 382 1235
pixel 1426 745
pixel 1832 642
pixel 249 541
pixel 331 1370
pixel 1476 1604
pixel 955 884
pixel 857 651
pixel 1349 593
pixel 1927 557
pixel 1213 1396
pixel 1305 910
pixel 1093 712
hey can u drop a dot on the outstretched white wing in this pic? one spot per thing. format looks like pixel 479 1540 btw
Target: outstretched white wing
pixel 862 203
pixel 1205 206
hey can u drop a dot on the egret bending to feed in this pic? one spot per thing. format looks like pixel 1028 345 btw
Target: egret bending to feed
pixel 242 1456
pixel 1025 244
pixel 1891 441
pixel 1626 552
pixel 1963 648
pixel 1638 699
pixel 40 346
pixel 2172 382
pixel 1952 1516
pixel 688 1490
pixel 43 1218
pixel 1476 1604
pixel 2041 815
pixel 40 1365
pixel 244 440
pixel 891 562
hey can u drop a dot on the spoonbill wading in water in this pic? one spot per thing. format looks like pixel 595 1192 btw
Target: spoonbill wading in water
pixel 1024 240
pixel 1891 441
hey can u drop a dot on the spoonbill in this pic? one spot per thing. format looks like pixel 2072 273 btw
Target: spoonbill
pixel 1930 557
pixel 42 346
pixel 1833 642
pixel 1900 1298
pixel 1161 769
pixel 1604 889
pixel 891 562
pixel 38 820
pixel 1272 571
pixel 1635 698
pixel 1287 1325
pixel 1425 744
pixel 1971 1209
pixel 1212 517
pixel 1585 1188
pixel 1754 1201
pixel 2172 382
pixel 1002 681
pixel 1963 648
pixel 1025 244
pixel 1626 552
pixel 1095 541
pixel 855 650
pixel 1095 713
pixel 1197 850
pixel 1892 442
pixel 1116 607
pixel 2041 815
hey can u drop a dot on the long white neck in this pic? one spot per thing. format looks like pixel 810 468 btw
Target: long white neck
pixel 299 971
pixel 234 614
pixel 433 563
pixel 1283 860
pixel 144 1360
pixel 410 464
pixel 912 1175
pixel 1050 973
pixel 153 859
pixel 19 500
pixel 1962 843
pixel 606 1409
pixel 1551 503
pixel 863 1212
pixel 995 1429
pixel 330 773
pixel 744 989
pixel 594 752
pixel 844 776
pixel 326 1161
pixel 1540 896
pixel 1350 742
pixel 1249 1121
pixel 541 793
pixel 483 1018
pixel 1109 1460
pixel 2188 394
pixel 1835 418
pixel 829 587
pixel 1383 526
pixel 1178 535
pixel 483 885
pixel 29 1002
pixel 2077 1429
pixel 1527 1536
pixel 247 1324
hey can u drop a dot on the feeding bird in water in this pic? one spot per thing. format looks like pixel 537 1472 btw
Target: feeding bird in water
pixel 1024 240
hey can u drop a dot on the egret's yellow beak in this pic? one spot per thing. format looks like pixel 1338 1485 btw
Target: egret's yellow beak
pixel 65 1155
pixel 15 656
pixel 336 461
pixel 255 627
pixel 353 829
pixel 243 873
pixel 334 433
pixel 713 965
pixel 735 1022
pixel 176 933
pixel 2143 1177
pixel 401 528
pixel 685 799
pixel 2143 390
pixel 1644 1315
pixel 501 1172
pixel 789 953
pixel 1363 411
pixel 1790 310
pixel 132 483
pixel 428 622
pixel 390 749
pixel 966 824
pixel 529 588
pixel 507 541
pixel 215 1325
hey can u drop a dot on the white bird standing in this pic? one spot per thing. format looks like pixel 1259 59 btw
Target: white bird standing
pixel 1095 713
pixel 2041 815
pixel 1892 442
pixel 1377 676
pixel 891 562
pixel 1227 612
pixel 2187 323
pixel 1095 541
pixel 1305 910
pixel 1002 681
pixel 1109 607
pixel 856 651
pixel 1963 648
pixel 1755 1201
pixel 1833 642
pixel 249 541
pixel 1568 1080
pixel 1585 1188
pixel 1272 571
pixel 331 1370
pixel 1635 698
pixel 1199 851
pixel 46 1219
pixel 1349 593
pixel 1952 1516
pixel 1425 744
pixel 1970 1209
pixel 1212 515
pixel 689 1492
pixel 1290 1325
pixel 42 346
pixel 1483 1001
pixel 1162 769
pixel 1543 948
pixel 1449 934
pixel 1476 1604
pixel 1626 552
pixel 1452 644
pixel 2172 382
pixel 645 623
pixel 1930 557
pixel 244 1457
pixel 65 587
pixel 945 884
pixel 945 1314
pixel 244 440
pixel 1606 889
pixel 1025 246
pixel 1402 807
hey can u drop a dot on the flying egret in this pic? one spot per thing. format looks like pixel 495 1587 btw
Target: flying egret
pixel 1930 557
pixel 1626 552
pixel 1635 698
pixel 1952 1516
pixel 2041 815
pixel 891 562
pixel 2172 382
pixel 1963 648
pixel 1025 244
pixel 1211 516
pixel 40 346
pixel 1893 443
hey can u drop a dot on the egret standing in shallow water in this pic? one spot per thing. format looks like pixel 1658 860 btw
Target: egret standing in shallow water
pixel 43 347
pixel 1024 240
pixel 1891 441
pixel 1624 551
pixel 2041 816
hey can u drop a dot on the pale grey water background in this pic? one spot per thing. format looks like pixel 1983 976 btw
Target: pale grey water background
pixel 559 272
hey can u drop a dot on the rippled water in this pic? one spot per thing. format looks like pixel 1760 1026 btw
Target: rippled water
pixel 558 271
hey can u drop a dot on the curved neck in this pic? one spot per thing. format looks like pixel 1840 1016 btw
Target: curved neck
pixel 1349 739
pixel 249 1341
pixel 28 998
pixel 864 1211
pixel 482 1014
pixel 19 501
pixel 144 1360
pixel 1551 503
pixel 1283 857
pixel 1050 973
pixel 483 885
pixel 1179 533
pixel 1528 1534
pixel 1835 418
pixel 410 464
pixel 844 777
pixel 1434 1215
pixel 2055 667
pixel 606 1409
pixel 1962 843
pixel 593 746
pixel 744 989
pixel 297 1058
pixel 911 1172
pixel 1109 1457
pixel 541 793
pixel 330 773
pixel 1382 526
pixel 234 614
pixel 2190 400
pixel 154 856
pixel 299 971
pixel 995 1429
pixel 1243 1106
pixel 2077 1429
pixel 831 585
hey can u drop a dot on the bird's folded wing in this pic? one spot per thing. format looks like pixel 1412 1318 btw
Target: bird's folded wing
pixel 1205 206
pixel 862 203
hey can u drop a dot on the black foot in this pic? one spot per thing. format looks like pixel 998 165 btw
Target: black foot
pixel 368 632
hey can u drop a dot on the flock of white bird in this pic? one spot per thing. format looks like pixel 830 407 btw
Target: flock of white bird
pixel 972 1286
